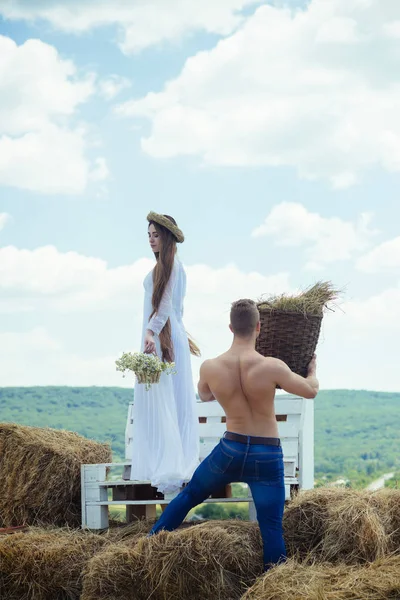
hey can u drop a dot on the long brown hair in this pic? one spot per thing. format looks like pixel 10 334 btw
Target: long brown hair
pixel 161 274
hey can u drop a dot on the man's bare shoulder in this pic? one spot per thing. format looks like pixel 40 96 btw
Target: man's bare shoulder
pixel 273 363
pixel 210 363
pixel 269 364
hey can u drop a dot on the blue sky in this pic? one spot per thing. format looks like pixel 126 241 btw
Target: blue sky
pixel 270 133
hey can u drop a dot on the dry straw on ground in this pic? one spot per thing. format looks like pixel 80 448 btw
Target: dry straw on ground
pixel 45 564
pixel 387 503
pixel 218 560
pixel 336 524
pixel 323 581
pixel 40 474
pixel 209 561
pixel 313 301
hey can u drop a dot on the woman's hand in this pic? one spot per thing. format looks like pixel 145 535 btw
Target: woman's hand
pixel 149 343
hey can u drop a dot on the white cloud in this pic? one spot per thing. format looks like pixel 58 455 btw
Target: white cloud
pixel 37 339
pixel 112 86
pixel 34 357
pixel 100 171
pixel 37 282
pixel 325 239
pixel 42 148
pixel 47 278
pixel 358 346
pixel 69 281
pixel 299 88
pixel 4 217
pixel 382 258
pixel 140 24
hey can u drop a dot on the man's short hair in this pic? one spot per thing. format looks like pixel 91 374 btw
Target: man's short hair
pixel 244 317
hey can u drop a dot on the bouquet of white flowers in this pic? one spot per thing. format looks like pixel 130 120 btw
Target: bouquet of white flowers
pixel 147 367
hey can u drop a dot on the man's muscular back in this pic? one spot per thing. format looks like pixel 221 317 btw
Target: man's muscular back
pixel 244 383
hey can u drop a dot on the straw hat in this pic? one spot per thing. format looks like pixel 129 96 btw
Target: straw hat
pixel 165 222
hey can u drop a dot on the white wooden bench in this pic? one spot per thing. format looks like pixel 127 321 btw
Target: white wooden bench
pixel 296 429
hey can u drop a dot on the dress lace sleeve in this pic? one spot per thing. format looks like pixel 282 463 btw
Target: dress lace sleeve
pixel 159 319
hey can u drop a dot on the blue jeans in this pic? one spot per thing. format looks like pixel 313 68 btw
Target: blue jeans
pixel 261 467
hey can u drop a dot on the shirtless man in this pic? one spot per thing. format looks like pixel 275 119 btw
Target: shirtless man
pixel 244 384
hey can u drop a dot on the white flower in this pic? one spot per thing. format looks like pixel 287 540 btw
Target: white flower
pixel 147 367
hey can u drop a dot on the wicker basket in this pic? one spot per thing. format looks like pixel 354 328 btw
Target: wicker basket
pixel 148 377
pixel 290 336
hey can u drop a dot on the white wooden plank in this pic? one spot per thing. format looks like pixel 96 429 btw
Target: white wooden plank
pixel 150 502
pixel 288 430
pixel 120 464
pixel 288 406
pixel 93 473
pixel 283 406
pixel 306 447
pixel 209 409
pixel 121 482
pixel 290 448
pixel 97 516
pixel 95 493
pixel 287 492
pixel 160 501
pixel 83 498
pixel 295 419
pixel 212 430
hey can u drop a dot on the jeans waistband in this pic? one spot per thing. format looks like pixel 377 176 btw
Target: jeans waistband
pixel 251 439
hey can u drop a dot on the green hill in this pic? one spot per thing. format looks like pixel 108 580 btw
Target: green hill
pixel 356 432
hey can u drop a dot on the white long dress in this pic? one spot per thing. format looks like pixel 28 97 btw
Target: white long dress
pixel 163 421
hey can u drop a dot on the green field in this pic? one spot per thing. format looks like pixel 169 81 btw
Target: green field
pixel 356 432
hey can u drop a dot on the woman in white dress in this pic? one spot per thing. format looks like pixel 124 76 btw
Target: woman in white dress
pixel 165 439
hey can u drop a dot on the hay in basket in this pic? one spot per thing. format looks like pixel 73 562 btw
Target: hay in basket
pixel 290 325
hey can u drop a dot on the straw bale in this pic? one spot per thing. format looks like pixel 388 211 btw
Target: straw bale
pixel 40 474
pixel 305 520
pixel 296 581
pixel 45 564
pixel 354 531
pixel 323 581
pixel 335 524
pixel 387 503
pixel 212 561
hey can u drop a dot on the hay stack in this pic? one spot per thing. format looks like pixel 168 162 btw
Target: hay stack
pixel 45 564
pixel 355 531
pixel 40 474
pixel 204 562
pixel 297 581
pixel 322 581
pixel 343 525
pixel 305 519
pixel 387 503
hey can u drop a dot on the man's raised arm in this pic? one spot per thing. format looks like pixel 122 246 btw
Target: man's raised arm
pixel 205 393
pixel 305 387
